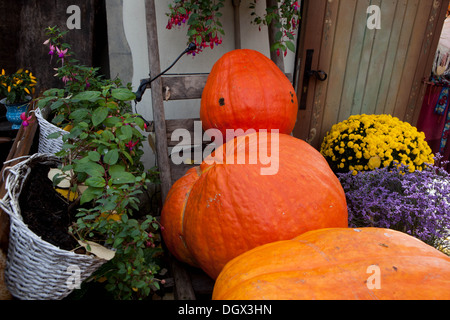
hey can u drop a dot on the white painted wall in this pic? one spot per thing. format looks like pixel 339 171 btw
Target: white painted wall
pixel 173 42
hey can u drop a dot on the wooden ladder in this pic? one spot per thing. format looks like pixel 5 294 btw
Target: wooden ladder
pixel 187 281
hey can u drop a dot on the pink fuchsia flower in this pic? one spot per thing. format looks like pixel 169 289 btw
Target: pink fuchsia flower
pixel 61 54
pixel 25 120
pixel 130 145
pixel 65 79
pixel 52 50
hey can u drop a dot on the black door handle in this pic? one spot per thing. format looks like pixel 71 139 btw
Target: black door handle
pixel 318 74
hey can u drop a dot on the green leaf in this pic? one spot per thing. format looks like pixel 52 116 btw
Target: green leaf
pixel 68 146
pixel 96 182
pixel 75 133
pixel 54 135
pixel 43 102
pixel 99 115
pixel 54 92
pixel 139 122
pixel 107 135
pixel 116 169
pixel 111 122
pixel 111 157
pixel 290 35
pixel 290 46
pixel 112 105
pixel 55 105
pixel 87 96
pixel 126 154
pixel 192 20
pixel 278 35
pixel 94 156
pixel 91 168
pixel 123 94
pixel 191 32
pixel 90 194
pixel 58 119
pixel 117 243
pixel 127 133
pixel 79 114
pixel 122 177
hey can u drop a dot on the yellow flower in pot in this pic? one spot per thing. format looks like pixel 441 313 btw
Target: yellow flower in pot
pixel 366 142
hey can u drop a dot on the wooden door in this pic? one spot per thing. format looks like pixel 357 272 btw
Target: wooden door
pixel 371 69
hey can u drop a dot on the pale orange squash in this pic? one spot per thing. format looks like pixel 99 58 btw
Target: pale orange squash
pixel 338 263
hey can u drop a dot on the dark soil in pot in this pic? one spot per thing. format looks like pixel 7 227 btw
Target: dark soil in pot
pixel 45 211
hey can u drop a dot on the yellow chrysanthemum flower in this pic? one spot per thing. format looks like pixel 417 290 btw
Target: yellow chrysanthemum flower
pixel 373 141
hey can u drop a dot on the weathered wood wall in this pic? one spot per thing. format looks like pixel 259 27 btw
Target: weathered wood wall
pixel 372 71
pixel 9 30
pixel 28 28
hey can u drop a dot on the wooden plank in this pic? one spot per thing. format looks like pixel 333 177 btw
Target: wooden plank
pixel 186 124
pixel 183 285
pixel 21 147
pixel 364 62
pixel 310 38
pixel 354 58
pixel 183 87
pixel 237 24
pixel 378 56
pixel 326 52
pixel 390 62
pixel 182 281
pixel 180 170
pixel 414 52
pixel 157 100
pixel 339 62
pixel 401 56
pixel 35 16
pixel 186 87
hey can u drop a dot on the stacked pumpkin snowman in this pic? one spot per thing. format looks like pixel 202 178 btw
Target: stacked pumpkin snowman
pixel 276 227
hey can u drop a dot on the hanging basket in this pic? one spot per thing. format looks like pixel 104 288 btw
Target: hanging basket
pixel 36 269
pixel 48 145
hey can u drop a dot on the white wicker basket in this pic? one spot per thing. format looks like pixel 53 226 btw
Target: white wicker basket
pixel 45 128
pixel 36 269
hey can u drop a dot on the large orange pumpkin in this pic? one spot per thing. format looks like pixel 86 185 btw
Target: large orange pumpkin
pixel 353 264
pixel 220 209
pixel 246 90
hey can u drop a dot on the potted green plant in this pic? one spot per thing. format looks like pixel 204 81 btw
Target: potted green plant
pixel 101 156
pixel 39 264
pixel 17 89
pixel 75 78
pixel 102 152
pixel 99 174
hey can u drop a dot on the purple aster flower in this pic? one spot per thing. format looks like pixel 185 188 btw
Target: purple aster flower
pixel 417 203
